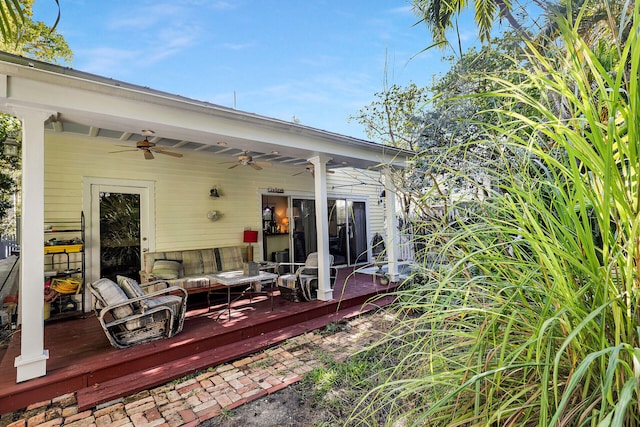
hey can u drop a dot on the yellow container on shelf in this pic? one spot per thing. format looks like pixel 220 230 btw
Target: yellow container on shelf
pixel 56 249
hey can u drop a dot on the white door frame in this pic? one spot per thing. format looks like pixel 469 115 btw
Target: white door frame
pixel 91 188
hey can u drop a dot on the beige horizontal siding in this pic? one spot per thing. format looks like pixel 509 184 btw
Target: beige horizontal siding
pixel 182 187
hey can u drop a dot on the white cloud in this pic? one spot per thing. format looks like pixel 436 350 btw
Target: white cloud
pixel 238 46
pixel 99 59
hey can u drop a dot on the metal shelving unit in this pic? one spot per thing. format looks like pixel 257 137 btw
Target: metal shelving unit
pixel 65 266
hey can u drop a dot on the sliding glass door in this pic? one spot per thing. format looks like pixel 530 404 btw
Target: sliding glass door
pixel 303 231
pixel 347 231
pixel 358 244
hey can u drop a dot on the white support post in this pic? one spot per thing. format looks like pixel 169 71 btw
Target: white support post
pixel 325 293
pixel 32 361
pixel 391 224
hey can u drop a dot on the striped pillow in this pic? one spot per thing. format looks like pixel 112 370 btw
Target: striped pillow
pixel 228 258
pixel 130 287
pixel 166 269
pixel 110 293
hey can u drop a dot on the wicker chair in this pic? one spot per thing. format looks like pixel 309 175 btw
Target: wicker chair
pixel 129 316
pixel 300 285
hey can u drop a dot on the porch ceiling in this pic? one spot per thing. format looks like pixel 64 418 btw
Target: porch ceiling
pixel 112 111
pixel 219 145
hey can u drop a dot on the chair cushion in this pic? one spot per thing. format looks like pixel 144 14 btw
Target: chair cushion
pixel 110 293
pixel 208 261
pixel 189 283
pixel 172 301
pixel 166 269
pixel 155 322
pixel 192 262
pixel 130 287
pixel 287 281
pixel 312 260
pixel 228 258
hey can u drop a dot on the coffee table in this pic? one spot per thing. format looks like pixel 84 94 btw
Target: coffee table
pixel 235 278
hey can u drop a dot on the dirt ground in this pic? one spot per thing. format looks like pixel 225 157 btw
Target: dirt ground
pixel 289 407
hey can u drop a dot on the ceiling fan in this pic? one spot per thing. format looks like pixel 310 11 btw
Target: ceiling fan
pixel 309 167
pixel 246 160
pixel 148 148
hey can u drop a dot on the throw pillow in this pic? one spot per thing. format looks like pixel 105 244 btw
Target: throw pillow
pixel 166 269
pixel 110 293
pixel 130 287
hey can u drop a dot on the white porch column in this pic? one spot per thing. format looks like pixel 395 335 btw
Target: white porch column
pixel 325 293
pixel 32 361
pixel 391 224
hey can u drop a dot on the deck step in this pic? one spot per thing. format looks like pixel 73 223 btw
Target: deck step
pixel 112 389
pixel 113 368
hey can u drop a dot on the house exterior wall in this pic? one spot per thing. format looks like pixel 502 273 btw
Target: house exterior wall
pixel 182 189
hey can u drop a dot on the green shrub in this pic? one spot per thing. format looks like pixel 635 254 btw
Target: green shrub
pixel 535 319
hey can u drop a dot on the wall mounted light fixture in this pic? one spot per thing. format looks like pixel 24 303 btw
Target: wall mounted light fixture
pixel 10 146
pixel 214 215
pixel 382 196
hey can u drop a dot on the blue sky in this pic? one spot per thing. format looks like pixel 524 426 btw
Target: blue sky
pixel 319 61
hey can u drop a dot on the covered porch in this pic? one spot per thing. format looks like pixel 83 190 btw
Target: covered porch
pixel 74 125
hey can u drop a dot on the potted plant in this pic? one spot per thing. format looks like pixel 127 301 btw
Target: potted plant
pixel 384 279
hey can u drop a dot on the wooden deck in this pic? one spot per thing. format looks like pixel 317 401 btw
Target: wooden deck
pixel 81 359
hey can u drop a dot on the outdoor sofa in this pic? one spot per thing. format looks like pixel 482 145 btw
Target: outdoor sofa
pixel 192 269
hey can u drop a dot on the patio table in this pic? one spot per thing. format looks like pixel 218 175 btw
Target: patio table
pixel 235 278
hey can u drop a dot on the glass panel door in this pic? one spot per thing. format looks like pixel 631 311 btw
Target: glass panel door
pixel 119 235
pixel 338 231
pixel 358 239
pixel 120 216
pixel 347 231
pixel 303 232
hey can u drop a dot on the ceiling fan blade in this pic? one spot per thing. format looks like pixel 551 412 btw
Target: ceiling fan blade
pixel 148 155
pixel 299 173
pixel 330 171
pixel 168 153
pixel 256 167
pixel 159 148
pixel 234 166
pixel 122 151
pixel 125 146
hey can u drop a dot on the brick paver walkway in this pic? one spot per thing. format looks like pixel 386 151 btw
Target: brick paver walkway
pixel 188 402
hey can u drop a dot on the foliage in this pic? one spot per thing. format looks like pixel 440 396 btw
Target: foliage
pixel 337 385
pixel 599 21
pixel 439 16
pixel 33 39
pixel 394 117
pixel 441 123
pixel 10 14
pixel 9 176
pixel 21 35
pixel 534 320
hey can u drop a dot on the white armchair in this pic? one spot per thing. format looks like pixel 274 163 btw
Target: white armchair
pixel 129 316
pixel 303 282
